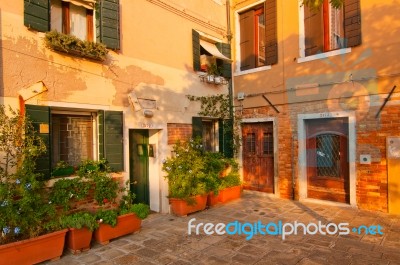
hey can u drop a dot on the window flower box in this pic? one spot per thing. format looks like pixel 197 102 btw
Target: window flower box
pixel 72 45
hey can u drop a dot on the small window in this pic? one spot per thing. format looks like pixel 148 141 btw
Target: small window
pixel 210 55
pixel 251 143
pixel 328 155
pixel 210 136
pixel 72 19
pixel 268 144
pixel 72 138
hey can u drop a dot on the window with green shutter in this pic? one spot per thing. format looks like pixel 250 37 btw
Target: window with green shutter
pixel 207 52
pixel 69 136
pixel 76 17
pixel 40 118
pixel 113 139
pixel 214 132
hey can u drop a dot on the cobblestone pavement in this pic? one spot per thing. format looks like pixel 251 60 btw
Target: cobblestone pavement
pixel 164 238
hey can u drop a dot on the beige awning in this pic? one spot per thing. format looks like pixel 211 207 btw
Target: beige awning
pixel 211 48
pixel 88 4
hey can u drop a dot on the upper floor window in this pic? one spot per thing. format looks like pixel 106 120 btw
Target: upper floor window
pixel 72 18
pixel 93 20
pixel 258 41
pixel 330 28
pixel 208 52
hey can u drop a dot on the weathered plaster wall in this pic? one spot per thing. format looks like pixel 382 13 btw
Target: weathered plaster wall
pixel 155 62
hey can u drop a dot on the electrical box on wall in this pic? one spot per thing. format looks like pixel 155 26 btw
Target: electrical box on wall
pixel 365 159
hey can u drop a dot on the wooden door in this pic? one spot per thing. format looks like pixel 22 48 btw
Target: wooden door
pixel 258 156
pixel 139 165
pixel 327 159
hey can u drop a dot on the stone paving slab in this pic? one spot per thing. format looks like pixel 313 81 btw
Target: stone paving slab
pixel 164 238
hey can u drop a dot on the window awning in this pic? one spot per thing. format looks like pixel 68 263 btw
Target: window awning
pixel 211 48
pixel 88 4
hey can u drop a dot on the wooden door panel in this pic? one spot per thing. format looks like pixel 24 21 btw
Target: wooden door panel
pixel 258 164
pixel 327 160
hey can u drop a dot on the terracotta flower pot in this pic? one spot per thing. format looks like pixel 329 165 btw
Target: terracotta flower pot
pixel 212 199
pixel 79 239
pixel 126 224
pixel 34 250
pixel 181 207
pixel 230 193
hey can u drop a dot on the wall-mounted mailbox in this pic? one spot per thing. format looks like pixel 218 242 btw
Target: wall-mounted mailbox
pixel 152 150
pixel 148 150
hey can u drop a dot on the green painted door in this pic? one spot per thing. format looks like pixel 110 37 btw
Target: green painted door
pixel 139 164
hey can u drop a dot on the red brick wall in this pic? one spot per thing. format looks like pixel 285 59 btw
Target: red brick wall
pixel 371 133
pixel 178 131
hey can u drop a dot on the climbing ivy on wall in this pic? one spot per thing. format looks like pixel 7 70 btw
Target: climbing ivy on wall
pixel 219 106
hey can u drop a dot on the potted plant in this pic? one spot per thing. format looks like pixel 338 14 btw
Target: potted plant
pixel 81 225
pixel 214 74
pixel 230 187
pixel 62 168
pixel 213 166
pixel 186 177
pixel 67 192
pixel 29 224
pixel 127 219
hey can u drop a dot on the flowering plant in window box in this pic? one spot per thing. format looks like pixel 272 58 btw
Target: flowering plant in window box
pixel 27 219
pixel 72 45
pixel 214 75
pixel 125 219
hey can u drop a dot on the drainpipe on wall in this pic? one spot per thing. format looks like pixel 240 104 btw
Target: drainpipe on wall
pixel 293 167
pixel 229 37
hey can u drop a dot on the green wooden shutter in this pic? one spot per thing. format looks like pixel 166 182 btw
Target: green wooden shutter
pixel 352 22
pixel 41 115
pixel 100 122
pixel 113 139
pixel 107 23
pixel 196 50
pixel 225 49
pixel 225 130
pixel 37 14
pixel 197 127
pixel 271 46
pixel 247 39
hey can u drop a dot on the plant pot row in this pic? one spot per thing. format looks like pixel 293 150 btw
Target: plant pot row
pixel 181 207
pixel 50 246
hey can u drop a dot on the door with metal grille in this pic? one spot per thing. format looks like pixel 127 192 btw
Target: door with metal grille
pixel 258 156
pixel 327 159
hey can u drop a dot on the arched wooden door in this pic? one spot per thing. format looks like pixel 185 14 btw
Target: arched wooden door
pixel 258 156
pixel 327 159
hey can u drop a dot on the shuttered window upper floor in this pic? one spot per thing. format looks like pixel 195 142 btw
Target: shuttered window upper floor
pixel 329 28
pixel 257 36
pixel 86 19
pixel 209 51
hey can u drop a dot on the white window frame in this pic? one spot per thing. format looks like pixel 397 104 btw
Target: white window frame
pixel 302 47
pixel 60 16
pixel 237 71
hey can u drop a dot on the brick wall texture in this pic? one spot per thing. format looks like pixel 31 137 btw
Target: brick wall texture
pixel 178 131
pixel 371 134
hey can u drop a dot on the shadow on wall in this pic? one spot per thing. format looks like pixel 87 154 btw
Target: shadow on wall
pixel 1 65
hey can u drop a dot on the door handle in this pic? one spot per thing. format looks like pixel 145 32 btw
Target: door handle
pixel 135 182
